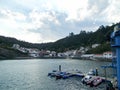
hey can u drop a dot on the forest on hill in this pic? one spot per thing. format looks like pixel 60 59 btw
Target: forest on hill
pixel 86 39
pixel 73 41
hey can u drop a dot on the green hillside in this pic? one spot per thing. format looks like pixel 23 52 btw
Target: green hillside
pixel 83 39
pixel 86 39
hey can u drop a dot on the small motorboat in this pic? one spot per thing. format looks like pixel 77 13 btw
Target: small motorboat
pixel 91 72
pixel 60 75
pixel 88 79
pixel 53 73
pixel 97 80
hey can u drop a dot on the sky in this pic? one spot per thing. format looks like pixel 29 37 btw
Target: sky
pixel 41 21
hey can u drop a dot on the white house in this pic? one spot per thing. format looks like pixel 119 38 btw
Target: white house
pixel 107 54
pixel 16 46
pixel 34 52
pixel 95 45
pixel 53 54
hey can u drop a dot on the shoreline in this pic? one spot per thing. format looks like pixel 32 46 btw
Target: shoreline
pixel 77 58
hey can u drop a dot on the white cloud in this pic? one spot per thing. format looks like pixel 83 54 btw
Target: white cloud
pixel 29 36
pixel 76 9
pixel 43 20
pixel 14 25
pixel 111 13
pixel 12 15
pixel 38 17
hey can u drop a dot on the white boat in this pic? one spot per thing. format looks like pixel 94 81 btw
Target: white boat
pixel 92 80
pixel 91 72
pixel 88 79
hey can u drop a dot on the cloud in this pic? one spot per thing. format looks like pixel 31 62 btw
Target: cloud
pixel 48 23
pixel 12 15
pixel 43 20
pixel 12 24
pixel 37 24
pixel 72 8
pixel 111 13
pixel 106 11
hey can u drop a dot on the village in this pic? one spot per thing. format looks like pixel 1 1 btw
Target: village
pixel 73 54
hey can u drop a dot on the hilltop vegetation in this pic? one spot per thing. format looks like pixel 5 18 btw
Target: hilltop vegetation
pixel 83 39
pixel 86 39
pixel 9 53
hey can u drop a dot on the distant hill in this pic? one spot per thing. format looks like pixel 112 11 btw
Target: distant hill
pixel 8 42
pixel 83 39
pixel 9 53
pixel 86 39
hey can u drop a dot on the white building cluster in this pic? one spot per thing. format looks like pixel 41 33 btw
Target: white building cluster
pixel 33 52
pixel 80 53
pixel 105 55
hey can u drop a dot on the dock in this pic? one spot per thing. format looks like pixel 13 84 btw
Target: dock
pixel 59 74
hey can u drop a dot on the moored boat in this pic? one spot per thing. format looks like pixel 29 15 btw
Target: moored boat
pixel 88 79
pixel 97 80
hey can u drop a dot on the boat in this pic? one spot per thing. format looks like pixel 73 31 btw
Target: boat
pixel 97 80
pixel 88 79
pixel 91 72
pixel 53 73
pixel 60 75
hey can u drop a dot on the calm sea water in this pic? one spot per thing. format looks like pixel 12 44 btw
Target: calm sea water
pixel 32 74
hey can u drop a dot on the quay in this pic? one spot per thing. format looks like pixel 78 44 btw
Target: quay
pixel 91 78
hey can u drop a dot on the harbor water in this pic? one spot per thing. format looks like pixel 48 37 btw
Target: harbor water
pixel 31 74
